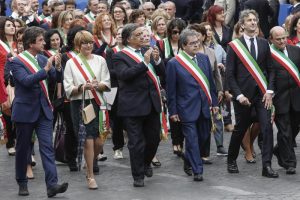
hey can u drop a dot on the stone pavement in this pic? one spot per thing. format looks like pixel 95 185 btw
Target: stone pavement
pixel 168 183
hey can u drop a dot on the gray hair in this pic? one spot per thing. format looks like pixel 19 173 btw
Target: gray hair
pixel 127 32
pixel 246 13
pixel 183 38
pixel 30 35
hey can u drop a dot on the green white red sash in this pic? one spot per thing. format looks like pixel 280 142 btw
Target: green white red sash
pixel 116 49
pixel 4 47
pixel 167 47
pixel 33 66
pixel 152 74
pixel 50 52
pixel 71 54
pixel 89 18
pixel 87 74
pixel 286 62
pixel 156 37
pixel 187 63
pixel 48 20
pixel 250 64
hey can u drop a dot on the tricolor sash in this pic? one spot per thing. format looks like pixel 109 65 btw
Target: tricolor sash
pixel 286 62
pixel 156 37
pixel 187 63
pixel 48 20
pixel 71 54
pixel 4 47
pixel 33 66
pixel 250 64
pixel 50 52
pixel 87 74
pixel 167 47
pixel 152 75
pixel 88 18
pixel 116 49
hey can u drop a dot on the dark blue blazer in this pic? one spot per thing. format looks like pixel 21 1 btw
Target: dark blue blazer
pixel 185 96
pixel 30 99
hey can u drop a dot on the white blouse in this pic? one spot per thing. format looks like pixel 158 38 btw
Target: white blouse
pixel 73 77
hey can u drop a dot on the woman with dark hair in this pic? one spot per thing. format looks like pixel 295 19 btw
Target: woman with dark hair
pixel 104 32
pixel 119 15
pixel 222 33
pixel 168 48
pixel 294 31
pixel 8 46
pixel 138 17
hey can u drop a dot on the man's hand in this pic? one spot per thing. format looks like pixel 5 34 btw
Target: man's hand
pixel 221 66
pixel 155 54
pixel 220 96
pixel 267 99
pixel 57 60
pixel 228 96
pixel 175 118
pixel 49 64
pixel 244 101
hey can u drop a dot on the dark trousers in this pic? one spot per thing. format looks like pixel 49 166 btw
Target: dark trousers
pixel 43 129
pixel 71 138
pixel 143 140
pixel 11 132
pixel 227 108
pixel 295 124
pixel 243 121
pixel 176 133
pixel 195 134
pixel 117 127
pixel 285 138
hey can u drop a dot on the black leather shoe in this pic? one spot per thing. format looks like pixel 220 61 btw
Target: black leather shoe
pixel 291 170
pixel 198 177
pixel 23 190
pixel 148 171
pixel 269 172
pixel 138 183
pixel 73 167
pixel 251 161
pixel 206 161
pixel 232 167
pixel 187 168
pixel 51 192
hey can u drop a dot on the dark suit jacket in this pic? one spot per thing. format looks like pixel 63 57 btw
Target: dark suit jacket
pixel 295 9
pixel 30 99
pixel 137 92
pixel 264 11
pixel 226 37
pixel 185 96
pixel 287 92
pixel 111 68
pixel 239 79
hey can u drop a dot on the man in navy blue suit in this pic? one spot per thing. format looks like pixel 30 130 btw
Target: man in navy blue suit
pixel 32 110
pixel 191 94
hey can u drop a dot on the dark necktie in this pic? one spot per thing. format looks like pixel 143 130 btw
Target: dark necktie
pixel 195 60
pixel 252 48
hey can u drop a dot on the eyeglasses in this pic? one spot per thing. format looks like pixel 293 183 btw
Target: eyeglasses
pixel 149 9
pixel 88 43
pixel 174 32
pixel 193 43
pixel 118 11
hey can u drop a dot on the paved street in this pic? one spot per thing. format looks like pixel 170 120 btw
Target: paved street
pixel 168 183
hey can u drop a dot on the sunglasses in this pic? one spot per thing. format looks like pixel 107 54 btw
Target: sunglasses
pixel 175 32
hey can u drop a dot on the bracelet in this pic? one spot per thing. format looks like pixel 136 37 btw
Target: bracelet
pixel 79 87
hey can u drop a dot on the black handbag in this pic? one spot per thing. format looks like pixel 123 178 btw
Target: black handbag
pixel 58 104
pixel 59 141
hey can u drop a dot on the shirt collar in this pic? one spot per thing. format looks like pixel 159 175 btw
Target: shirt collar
pixel 247 37
pixel 131 48
pixel 189 55
pixel 15 15
pixel 296 4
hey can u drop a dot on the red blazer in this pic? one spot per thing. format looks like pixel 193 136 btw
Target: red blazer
pixel 293 41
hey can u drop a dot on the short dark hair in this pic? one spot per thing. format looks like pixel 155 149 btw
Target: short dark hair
pixel 127 32
pixel 135 15
pixel 70 2
pixel 45 3
pixel 30 35
pixel 200 28
pixel 71 36
pixel 48 35
pixel 179 23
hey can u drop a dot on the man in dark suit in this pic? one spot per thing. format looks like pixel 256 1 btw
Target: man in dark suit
pixel 32 110
pixel 190 98
pixel 264 11
pixel 251 81
pixel 286 63
pixel 296 7
pixel 139 100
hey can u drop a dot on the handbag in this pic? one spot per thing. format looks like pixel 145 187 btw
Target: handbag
pixel 88 112
pixel 58 104
pixel 59 141
pixel 6 106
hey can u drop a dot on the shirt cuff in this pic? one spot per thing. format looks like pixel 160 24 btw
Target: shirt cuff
pixel 157 62
pixel 239 96
pixel 270 91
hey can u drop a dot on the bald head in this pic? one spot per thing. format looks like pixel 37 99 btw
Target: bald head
pixel 278 37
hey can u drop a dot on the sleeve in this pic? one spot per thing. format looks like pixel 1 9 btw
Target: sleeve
pixel 270 70
pixel 230 4
pixel 171 83
pixel 110 65
pixel 68 79
pixel 104 77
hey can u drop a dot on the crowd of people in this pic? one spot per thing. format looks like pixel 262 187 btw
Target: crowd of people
pixel 147 69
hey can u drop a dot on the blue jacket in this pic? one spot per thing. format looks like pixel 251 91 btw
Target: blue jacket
pixel 185 96
pixel 30 99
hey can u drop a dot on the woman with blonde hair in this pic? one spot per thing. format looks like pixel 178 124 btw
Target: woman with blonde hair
pixel 87 72
pixel 63 24
pixel 104 32
pixel 159 29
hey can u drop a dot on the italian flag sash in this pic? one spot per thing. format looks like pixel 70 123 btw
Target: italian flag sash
pixel 50 52
pixel 152 74
pixel 87 74
pixel 187 63
pixel 167 47
pixel 250 63
pixel 156 37
pixel 4 47
pixel 48 20
pixel 71 54
pixel 34 67
pixel 88 18
pixel 283 60
pixel 116 49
